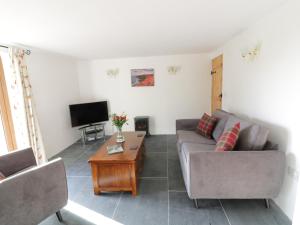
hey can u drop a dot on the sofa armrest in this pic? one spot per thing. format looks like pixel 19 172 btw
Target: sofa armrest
pixel 236 174
pixel 187 124
pixel 16 161
pixel 32 195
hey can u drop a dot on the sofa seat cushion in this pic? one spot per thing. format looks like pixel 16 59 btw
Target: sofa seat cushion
pixel 186 148
pixel 185 136
pixel 252 136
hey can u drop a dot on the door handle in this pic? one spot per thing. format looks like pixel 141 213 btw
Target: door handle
pixel 221 95
pixel 212 72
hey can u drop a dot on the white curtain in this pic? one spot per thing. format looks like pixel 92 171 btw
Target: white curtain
pixel 21 85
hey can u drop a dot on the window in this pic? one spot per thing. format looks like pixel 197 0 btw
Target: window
pixel 8 139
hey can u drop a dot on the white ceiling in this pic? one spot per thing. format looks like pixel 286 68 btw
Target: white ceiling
pixel 93 29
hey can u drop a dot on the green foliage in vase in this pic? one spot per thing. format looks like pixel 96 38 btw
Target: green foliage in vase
pixel 119 120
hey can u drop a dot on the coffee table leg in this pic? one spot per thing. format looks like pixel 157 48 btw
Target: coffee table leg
pixel 97 191
pixel 95 175
pixel 133 180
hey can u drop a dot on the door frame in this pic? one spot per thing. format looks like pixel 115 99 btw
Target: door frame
pixel 5 113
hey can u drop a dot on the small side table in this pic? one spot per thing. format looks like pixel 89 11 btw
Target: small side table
pixel 141 123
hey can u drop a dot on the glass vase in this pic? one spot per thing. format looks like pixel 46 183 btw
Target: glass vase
pixel 120 136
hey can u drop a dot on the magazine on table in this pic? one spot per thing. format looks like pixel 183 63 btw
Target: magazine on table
pixel 112 149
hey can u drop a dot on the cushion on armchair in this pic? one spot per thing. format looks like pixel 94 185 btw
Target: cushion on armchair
pixel 206 125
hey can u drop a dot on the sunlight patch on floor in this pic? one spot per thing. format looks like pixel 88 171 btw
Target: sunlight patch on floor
pixel 89 215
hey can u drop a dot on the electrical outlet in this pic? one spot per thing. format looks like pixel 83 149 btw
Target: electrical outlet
pixel 293 173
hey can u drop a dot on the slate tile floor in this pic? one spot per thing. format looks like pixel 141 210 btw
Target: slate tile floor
pixel 162 199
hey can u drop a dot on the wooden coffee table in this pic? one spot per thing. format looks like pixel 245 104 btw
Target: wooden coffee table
pixel 118 172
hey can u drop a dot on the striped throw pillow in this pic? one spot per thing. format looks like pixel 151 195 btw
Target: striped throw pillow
pixel 228 139
pixel 206 125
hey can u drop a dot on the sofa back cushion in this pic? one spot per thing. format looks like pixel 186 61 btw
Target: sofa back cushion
pixel 220 126
pixel 252 136
pixel 270 146
pixel 16 161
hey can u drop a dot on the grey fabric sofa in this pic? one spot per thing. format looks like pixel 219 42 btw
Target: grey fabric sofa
pixel 255 169
pixel 31 193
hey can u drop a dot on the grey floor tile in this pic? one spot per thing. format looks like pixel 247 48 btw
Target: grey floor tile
pixel 172 148
pixel 249 212
pixel 80 217
pixel 149 207
pixel 80 167
pixel 156 143
pixel 81 192
pixel 76 185
pixel 171 139
pixel 183 211
pixel 78 148
pixel 174 173
pixel 69 162
pixel 171 144
pixel 73 151
pixel 69 219
pixel 155 165
pixel 278 213
pixel 95 146
pixel 85 156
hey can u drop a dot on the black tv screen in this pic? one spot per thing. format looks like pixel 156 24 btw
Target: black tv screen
pixel 88 113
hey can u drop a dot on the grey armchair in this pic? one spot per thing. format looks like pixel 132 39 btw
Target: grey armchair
pixel 31 193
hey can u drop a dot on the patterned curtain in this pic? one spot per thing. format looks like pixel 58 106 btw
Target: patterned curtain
pixel 19 70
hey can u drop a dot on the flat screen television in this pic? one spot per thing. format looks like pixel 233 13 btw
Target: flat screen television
pixel 88 113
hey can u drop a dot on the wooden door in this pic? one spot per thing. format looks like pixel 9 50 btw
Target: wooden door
pixel 217 77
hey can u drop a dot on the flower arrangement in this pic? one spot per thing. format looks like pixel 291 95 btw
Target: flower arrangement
pixel 119 120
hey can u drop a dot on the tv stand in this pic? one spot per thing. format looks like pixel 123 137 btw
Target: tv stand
pixel 92 132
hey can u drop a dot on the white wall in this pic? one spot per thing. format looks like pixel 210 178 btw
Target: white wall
pixel 268 89
pixel 296 218
pixel 184 95
pixel 55 86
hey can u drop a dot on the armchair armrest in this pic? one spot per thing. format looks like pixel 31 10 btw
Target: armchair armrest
pixel 236 174
pixel 16 161
pixel 187 124
pixel 32 195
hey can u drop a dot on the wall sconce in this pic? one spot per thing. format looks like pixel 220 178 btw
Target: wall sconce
pixel 173 69
pixel 112 72
pixel 252 53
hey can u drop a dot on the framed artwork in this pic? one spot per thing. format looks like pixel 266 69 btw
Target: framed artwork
pixel 142 77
